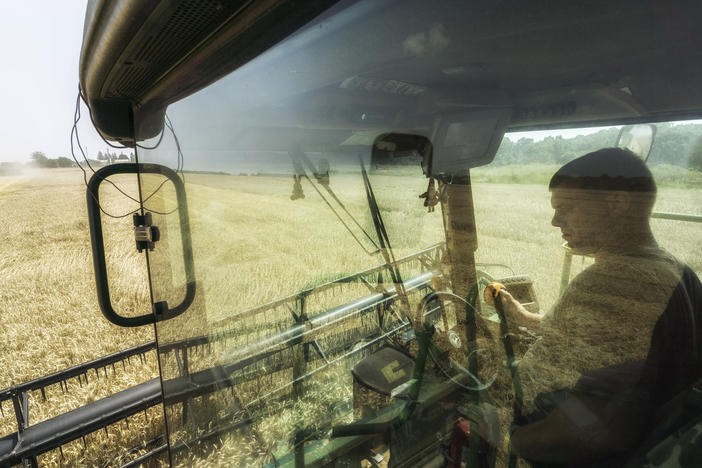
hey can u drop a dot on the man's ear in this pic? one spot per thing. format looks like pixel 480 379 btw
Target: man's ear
pixel 618 202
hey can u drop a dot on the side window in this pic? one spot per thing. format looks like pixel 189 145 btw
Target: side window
pixel 514 213
pixel 676 163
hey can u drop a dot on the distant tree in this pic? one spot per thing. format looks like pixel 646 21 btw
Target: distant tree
pixel 101 157
pixel 505 152
pixel 695 159
pixel 40 159
pixel 676 144
pixel 132 158
pixel 523 150
pixel 123 157
pixel 64 162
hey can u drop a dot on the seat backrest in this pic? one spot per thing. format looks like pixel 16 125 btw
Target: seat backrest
pixel 674 361
pixel 673 374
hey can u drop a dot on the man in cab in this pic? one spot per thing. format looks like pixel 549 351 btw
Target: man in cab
pixel 622 339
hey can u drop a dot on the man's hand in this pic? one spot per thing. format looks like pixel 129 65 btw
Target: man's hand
pixel 509 304
pixel 515 312
pixel 491 292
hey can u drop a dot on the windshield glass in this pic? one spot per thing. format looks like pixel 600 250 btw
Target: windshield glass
pixel 385 272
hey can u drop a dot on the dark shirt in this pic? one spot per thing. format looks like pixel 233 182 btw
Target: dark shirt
pixel 674 361
pixel 615 407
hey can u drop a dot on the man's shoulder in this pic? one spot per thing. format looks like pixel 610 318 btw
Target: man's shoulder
pixel 647 267
pixel 636 283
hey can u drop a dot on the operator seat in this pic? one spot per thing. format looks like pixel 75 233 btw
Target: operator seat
pixel 673 373
pixel 663 397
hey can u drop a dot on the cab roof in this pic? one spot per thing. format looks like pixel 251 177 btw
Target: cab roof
pixel 554 64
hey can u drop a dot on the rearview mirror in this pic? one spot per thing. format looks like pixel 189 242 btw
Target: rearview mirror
pixel 463 140
pixel 388 148
pixel 637 138
pixel 468 139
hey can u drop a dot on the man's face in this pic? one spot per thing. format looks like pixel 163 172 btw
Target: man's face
pixel 583 217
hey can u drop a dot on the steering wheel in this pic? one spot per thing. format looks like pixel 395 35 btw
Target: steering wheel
pixel 444 342
pixel 469 361
pixel 462 347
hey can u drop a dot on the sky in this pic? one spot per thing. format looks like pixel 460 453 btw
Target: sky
pixel 40 47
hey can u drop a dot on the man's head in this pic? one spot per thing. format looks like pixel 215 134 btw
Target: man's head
pixel 603 201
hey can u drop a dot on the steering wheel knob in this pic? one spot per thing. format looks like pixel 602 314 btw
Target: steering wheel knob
pixel 491 292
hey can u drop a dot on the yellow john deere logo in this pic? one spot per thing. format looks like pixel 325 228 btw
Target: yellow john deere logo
pixel 392 373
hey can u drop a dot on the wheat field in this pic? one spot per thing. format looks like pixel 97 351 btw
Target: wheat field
pixel 252 244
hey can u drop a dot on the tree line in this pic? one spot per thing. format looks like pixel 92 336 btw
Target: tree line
pixel 40 159
pixel 677 145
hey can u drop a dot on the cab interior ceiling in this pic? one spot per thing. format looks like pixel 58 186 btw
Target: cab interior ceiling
pixel 565 64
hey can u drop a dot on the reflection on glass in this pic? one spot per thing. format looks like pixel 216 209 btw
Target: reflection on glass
pixel 358 298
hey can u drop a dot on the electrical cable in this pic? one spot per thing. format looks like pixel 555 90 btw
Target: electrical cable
pixel 179 167
pixel 301 172
pixel 75 135
pixel 181 159
pixel 339 217
pixel 112 145
pixel 385 246
pixel 480 386
pixel 156 145
pixel 306 161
